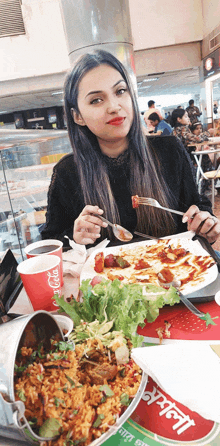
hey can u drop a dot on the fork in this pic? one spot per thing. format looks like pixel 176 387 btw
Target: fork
pixel 153 202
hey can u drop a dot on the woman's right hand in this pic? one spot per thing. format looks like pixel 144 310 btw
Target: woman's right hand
pixel 87 227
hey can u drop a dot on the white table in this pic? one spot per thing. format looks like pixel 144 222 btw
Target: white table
pixel 199 152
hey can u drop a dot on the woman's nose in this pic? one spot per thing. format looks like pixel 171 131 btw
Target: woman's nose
pixel 113 106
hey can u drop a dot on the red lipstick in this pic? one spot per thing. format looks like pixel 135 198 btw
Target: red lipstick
pixel 116 121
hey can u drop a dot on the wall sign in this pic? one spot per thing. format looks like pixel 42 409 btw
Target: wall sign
pixel 211 64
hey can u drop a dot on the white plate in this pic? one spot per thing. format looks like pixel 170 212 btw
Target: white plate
pixel 194 247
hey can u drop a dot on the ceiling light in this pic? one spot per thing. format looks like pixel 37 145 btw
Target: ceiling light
pixel 143 87
pixel 2 112
pixel 56 92
pixel 156 74
pixel 151 79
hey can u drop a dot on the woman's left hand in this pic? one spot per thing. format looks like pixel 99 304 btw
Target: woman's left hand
pixel 202 222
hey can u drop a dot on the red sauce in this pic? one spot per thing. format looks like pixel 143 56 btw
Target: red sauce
pixel 141 264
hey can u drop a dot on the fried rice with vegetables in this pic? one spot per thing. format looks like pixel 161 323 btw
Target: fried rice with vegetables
pixel 75 394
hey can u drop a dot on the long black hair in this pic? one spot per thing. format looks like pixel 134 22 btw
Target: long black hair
pixel 177 113
pixel 145 178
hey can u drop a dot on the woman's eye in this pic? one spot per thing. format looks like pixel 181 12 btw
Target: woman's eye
pixel 95 101
pixel 121 90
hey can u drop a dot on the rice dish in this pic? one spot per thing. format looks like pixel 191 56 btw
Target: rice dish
pixel 84 390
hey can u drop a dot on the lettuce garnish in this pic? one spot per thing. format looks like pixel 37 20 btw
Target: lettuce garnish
pixel 118 307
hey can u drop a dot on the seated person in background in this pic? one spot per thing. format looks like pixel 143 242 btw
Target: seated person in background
pixel 113 160
pixel 181 129
pixel 197 130
pixel 181 124
pixel 161 127
pixel 151 109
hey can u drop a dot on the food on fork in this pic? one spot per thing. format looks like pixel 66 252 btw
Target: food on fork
pixel 135 201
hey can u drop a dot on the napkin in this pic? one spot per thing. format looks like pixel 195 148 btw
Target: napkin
pixel 189 373
pixel 74 259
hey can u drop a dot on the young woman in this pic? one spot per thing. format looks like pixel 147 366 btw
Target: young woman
pixel 111 161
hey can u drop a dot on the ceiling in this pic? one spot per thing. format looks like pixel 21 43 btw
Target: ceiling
pixel 30 100
pixel 173 82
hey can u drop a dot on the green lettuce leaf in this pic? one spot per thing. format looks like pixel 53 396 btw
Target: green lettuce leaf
pixel 118 307
pixel 68 309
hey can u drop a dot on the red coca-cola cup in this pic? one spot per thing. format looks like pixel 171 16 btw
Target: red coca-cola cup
pixel 49 246
pixel 41 277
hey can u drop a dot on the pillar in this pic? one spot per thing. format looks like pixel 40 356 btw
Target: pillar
pixel 99 24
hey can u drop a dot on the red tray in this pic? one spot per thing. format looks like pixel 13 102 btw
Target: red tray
pixel 184 324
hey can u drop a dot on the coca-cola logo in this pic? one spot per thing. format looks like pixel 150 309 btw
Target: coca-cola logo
pixel 53 281
pixel 159 413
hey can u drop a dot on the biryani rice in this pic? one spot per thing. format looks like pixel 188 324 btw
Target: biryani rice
pixel 60 385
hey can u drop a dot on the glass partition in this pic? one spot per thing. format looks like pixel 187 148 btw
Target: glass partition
pixel 216 105
pixel 26 163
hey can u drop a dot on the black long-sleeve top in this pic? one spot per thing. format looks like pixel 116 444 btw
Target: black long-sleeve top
pixel 65 201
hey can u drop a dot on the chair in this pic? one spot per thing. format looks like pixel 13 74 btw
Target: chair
pixel 53 158
pixel 211 175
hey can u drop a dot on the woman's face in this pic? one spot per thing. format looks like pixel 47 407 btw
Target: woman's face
pixel 197 130
pixel 104 104
pixel 184 120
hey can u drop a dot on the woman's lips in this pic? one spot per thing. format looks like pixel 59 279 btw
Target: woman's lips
pixel 116 121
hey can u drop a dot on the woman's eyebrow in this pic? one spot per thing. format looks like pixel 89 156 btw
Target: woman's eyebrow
pixel 100 91
pixel 93 92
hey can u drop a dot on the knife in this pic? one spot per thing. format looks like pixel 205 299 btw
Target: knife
pixel 140 234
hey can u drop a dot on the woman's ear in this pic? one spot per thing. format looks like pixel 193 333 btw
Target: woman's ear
pixel 77 117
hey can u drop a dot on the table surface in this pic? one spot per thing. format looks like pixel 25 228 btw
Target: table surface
pixel 206 152
pixel 155 428
pixel 211 141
